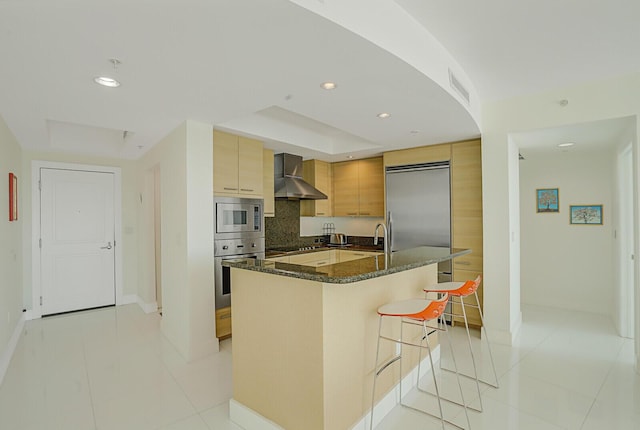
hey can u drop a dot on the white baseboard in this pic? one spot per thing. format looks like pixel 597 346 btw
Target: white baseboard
pixel 5 358
pixel 388 402
pixel 504 337
pixel 31 315
pixel 128 299
pixel 147 308
pixel 249 419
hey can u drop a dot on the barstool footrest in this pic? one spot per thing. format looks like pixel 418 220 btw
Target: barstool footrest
pixel 388 363
pixel 448 400
pixel 470 377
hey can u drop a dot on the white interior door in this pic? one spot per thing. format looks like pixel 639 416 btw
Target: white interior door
pixel 78 248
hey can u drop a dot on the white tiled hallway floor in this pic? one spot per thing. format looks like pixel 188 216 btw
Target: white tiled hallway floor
pixel 567 370
pixel 112 369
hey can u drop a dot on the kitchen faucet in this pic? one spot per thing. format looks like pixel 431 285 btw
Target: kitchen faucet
pixel 387 242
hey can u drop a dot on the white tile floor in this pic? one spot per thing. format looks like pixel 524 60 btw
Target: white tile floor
pixel 112 369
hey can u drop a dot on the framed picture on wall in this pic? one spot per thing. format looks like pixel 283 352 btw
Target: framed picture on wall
pixel 547 200
pixel 585 214
pixel 13 197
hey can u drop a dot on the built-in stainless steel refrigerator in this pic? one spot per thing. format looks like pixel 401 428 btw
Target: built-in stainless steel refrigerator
pixel 418 203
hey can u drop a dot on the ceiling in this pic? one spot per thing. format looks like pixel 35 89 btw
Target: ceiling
pixel 591 136
pixel 255 68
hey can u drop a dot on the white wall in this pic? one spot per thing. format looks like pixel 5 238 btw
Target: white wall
pixel 563 265
pixel 185 160
pixel 11 316
pixel 623 308
pixel 612 98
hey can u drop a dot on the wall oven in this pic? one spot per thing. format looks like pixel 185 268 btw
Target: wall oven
pixel 239 233
pixel 229 249
pixel 237 217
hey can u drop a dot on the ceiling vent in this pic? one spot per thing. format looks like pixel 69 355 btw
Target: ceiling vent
pixel 456 85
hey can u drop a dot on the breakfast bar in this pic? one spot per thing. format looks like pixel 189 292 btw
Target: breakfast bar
pixel 304 337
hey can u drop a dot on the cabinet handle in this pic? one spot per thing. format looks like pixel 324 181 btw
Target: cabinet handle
pixel 463 263
pixel 352 213
pixel 230 189
pixel 320 213
pixel 245 189
pixel 320 263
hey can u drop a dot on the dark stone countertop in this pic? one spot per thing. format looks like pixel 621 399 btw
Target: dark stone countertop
pixel 354 270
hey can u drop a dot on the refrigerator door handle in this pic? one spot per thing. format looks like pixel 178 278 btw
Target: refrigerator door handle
pixel 390 231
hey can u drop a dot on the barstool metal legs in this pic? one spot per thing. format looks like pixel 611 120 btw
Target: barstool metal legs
pixel 377 372
pixel 486 336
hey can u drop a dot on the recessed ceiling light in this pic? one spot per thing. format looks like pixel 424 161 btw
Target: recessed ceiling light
pixel 414 131
pixel 384 115
pixel 106 81
pixel 350 157
pixel 329 85
pixel 565 145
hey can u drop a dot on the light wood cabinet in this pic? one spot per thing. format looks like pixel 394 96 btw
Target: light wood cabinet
pixel 318 174
pixel 473 315
pixel 371 186
pixel 466 203
pixel 267 181
pixel 283 259
pixel 237 165
pixel 250 170
pixel 323 258
pixel 223 323
pixel 358 188
pixel 225 163
pixel 315 259
pixel 355 255
pixel 422 154
pixel 466 215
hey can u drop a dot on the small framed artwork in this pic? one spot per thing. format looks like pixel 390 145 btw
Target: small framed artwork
pixel 13 197
pixel 585 214
pixel 547 200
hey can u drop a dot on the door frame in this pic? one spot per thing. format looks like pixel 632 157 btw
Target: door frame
pixel 36 285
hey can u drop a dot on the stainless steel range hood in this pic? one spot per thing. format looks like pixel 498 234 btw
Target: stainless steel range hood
pixel 288 179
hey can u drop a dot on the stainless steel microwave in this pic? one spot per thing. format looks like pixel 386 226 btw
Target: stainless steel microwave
pixel 238 217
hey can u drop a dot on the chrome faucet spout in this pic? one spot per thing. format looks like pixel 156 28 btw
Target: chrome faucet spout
pixel 387 242
pixel 386 236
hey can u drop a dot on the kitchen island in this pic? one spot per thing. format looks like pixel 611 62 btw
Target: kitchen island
pixel 304 338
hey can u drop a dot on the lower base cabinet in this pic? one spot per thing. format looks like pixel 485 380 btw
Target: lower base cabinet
pixel 223 323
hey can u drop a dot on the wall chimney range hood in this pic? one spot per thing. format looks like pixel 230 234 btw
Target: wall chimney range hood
pixel 288 180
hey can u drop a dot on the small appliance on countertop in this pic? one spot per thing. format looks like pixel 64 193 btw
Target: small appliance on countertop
pixel 337 239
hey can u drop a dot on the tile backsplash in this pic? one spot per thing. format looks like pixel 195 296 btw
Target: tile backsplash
pixel 284 228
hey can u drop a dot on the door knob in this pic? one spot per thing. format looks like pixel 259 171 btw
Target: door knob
pixel 106 247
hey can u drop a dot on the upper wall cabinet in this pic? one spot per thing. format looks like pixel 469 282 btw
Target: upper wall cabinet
pixel 237 165
pixel 466 203
pixel 423 154
pixel 267 179
pixel 358 188
pixel 318 174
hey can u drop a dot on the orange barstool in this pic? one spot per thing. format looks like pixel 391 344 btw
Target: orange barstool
pixel 414 311
pixel 461 290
